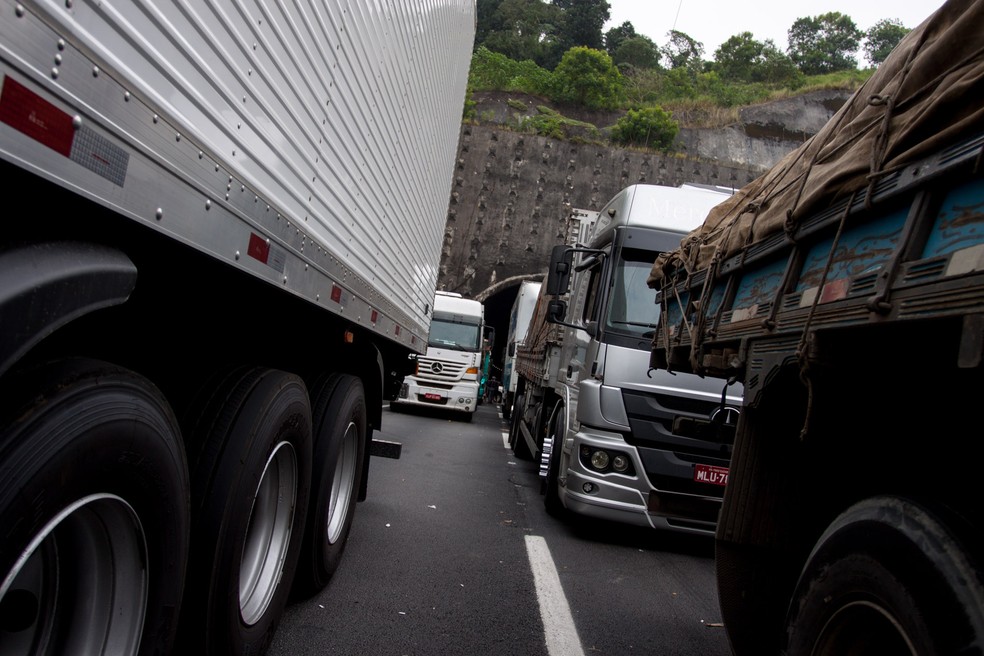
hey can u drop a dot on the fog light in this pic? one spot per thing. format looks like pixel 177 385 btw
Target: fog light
pixel 588 488
pixel 599 460
pixel 462 399
pixel 620 463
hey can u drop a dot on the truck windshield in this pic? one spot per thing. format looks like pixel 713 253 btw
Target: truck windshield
pixel 452 333
pixel 632 307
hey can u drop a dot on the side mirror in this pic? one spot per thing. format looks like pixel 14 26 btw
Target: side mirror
pixel 559 273
pixel 512 349
pixel 556 311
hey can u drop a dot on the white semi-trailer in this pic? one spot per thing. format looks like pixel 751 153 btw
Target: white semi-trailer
pixel 221 248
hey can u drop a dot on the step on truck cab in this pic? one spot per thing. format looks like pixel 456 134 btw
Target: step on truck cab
pixel 205 301
pixel 614 439
pixel 447 375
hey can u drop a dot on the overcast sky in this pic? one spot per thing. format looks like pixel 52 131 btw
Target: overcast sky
pixel 712 22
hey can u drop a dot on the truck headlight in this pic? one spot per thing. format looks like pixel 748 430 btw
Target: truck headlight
pixel 599 460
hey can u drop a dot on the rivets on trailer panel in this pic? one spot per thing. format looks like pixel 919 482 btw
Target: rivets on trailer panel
pixel 159 213
pixel 19 10
pixel 156 118
pixel 54 73
pixel 177 136
pixel 208 204
pixel 95 71
pixel 126 96
pixel 76 122
pixel 61 44
pixel 285 280
pixel 237 255
pixel 201 155
pixel 68 4
pixel 58 59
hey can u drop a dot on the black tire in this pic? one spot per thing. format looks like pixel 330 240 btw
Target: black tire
pixel 520 447
pixel 514 422
pixel 340 434
pixel 887 577
pixel 95 477
pixel 551 456
pixel 250 486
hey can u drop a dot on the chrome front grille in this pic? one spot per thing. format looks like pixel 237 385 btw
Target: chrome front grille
pixel 440 370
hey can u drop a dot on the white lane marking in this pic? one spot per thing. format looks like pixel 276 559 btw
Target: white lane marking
pixel 505 440
pixel 558 624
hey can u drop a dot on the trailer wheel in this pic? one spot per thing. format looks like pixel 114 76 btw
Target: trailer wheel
pixel 521 449
pixel 514 422
pixel 553 446
pixel 250 487
pixel 93 513
pixel 888 577
pixel 339 453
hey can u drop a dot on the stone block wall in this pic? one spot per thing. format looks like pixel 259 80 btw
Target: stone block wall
pixel 512 192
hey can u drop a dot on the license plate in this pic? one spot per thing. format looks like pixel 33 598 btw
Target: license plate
pixel 711 474
pixel 430 396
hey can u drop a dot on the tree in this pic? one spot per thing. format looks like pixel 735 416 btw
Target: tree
pixel 519 29
pixel 881 39
pixel 776 68
pixel 736 57
pixel 743 59
pixel 587 77
pixel 824 44
pixel 582 22
pixel 638 51
pixel 682 51
pixel 616 36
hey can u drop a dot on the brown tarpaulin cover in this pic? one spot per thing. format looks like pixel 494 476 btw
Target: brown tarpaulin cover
pixel 927 94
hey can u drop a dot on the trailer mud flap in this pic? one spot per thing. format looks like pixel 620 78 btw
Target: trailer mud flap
pixel 385 449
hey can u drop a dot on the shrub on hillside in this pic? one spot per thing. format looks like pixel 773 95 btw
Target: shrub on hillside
pixel 650 127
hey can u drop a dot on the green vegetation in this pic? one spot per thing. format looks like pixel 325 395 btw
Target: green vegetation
pixel 557 51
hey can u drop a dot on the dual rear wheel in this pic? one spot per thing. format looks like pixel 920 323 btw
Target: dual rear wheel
pixel 107 529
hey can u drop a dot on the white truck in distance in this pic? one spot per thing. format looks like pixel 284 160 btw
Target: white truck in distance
pixel 207 303
pixel 519 321
pixel 614 439
pixel 448 373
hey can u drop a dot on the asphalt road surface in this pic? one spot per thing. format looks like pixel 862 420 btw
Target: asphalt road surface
pixel 453 554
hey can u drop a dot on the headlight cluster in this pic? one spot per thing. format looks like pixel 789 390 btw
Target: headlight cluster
pixel 604 460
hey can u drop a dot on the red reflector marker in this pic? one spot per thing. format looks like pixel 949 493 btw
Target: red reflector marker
pixel 258 249
pixel 27 112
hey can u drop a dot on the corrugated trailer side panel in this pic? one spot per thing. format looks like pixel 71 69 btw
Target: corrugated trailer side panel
pixel 317 136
